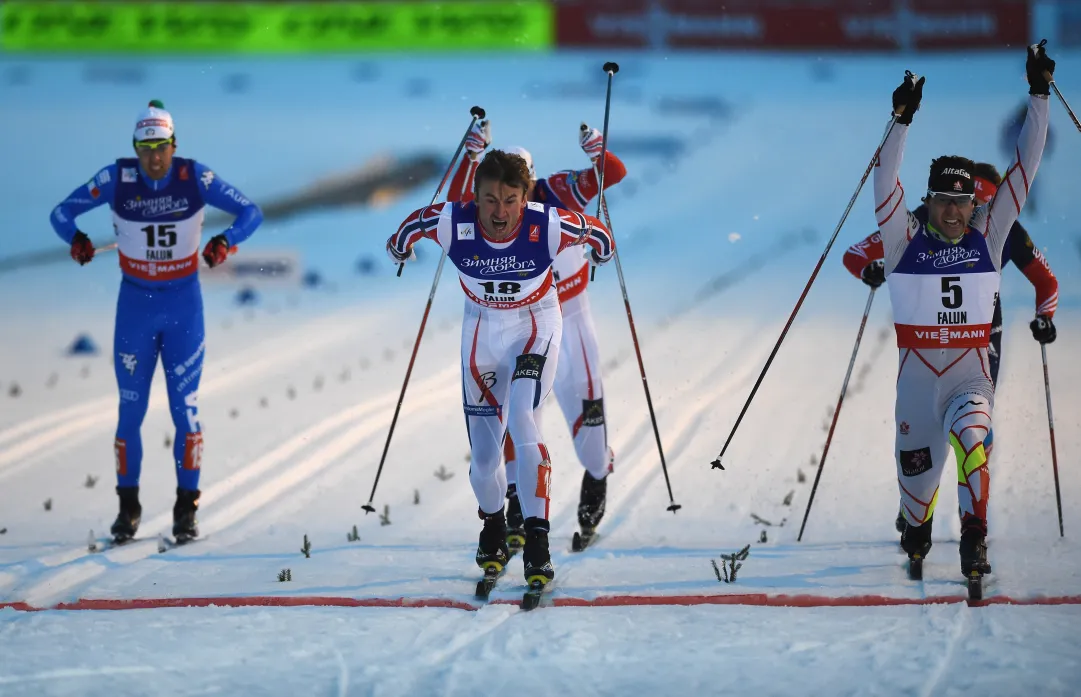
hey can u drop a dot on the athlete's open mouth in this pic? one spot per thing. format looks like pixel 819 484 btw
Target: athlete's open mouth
pixel 499 225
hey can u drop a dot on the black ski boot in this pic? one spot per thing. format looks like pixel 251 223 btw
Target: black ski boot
pixel 591 502
pixel 916 541
pixel 515 522
pixel 131 513
pixel 492 550
pixel 184 523
pixel 537 561
pixel 536 558
pixel 973 547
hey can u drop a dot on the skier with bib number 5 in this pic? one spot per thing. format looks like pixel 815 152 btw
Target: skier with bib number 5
pixel 158 203
pixel 943 275
pixel 864 261
pixel 504 246
pixel 578 387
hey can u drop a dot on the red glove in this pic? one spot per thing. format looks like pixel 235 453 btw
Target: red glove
pixel 82 249
pixel 216 251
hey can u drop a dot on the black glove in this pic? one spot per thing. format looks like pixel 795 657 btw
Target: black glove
pixel 1037 64
pixel 1043 329
pixel 874 274
pixel 82 249
pixel 908 95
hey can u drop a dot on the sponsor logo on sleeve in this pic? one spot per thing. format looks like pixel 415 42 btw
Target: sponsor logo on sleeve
pixel 236 196
pixel 207 179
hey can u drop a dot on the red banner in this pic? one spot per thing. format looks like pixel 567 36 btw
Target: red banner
pixel 873 25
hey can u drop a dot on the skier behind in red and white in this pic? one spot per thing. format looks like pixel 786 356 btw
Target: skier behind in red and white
pixel 578 386
pixel 864 261
pixel 943 275
pixel 503 246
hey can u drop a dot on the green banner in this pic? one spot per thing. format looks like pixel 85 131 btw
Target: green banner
pixel 274 27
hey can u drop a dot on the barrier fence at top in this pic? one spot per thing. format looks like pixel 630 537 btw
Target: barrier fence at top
pixel 292 27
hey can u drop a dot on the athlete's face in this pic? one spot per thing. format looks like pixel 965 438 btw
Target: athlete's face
pixel 499 207
pixel 155 157
pixel 949 214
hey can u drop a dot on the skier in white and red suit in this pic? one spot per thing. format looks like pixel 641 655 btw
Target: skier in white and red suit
pixel 943 275
pixel 578 387
pixel 504 247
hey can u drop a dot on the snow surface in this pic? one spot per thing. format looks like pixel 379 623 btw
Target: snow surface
pixel 298 392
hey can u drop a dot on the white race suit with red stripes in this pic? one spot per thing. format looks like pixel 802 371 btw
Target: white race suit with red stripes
pixel 510 334
pixel 578 385
pixel 943 294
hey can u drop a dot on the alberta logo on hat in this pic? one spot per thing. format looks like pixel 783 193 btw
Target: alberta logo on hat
pixel 155 123
pixel 951 174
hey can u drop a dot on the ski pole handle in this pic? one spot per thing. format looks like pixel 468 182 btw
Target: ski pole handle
pixel 477 113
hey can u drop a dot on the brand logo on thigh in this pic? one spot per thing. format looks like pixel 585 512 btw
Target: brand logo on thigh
pixel 529 366
pixel 593 412
pixel 129 361
pixel 914 462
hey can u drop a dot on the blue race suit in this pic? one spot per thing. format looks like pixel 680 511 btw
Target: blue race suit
pixel 160 306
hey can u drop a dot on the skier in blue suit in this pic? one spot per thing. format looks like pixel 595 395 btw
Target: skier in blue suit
pixel 158 203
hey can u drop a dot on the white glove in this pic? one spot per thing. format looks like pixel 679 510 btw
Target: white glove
pixel 399 259
pixel 591 140
pixel 479 138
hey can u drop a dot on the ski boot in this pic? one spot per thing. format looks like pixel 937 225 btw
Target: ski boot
pixel 973 547
pixel 184 523
pixel 492 546
pixel 537 561
pixel 131 513
pixel 515 522
pixel 591 502
pixel 916 541
pixel 492 553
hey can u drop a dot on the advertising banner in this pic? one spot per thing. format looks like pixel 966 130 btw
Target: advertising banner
pixel 875 25
pixel 274 27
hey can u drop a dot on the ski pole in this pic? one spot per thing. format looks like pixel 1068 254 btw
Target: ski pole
pixel 1062 99
pixel 611 68
pixel 1051 428
pixel 477 113
pixel 836 413
pixel 716 464
pixel 602 208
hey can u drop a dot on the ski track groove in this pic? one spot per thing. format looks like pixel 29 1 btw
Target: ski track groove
pixel 958 630
pixel 638 473
pixel 101 412
pixel 369 421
